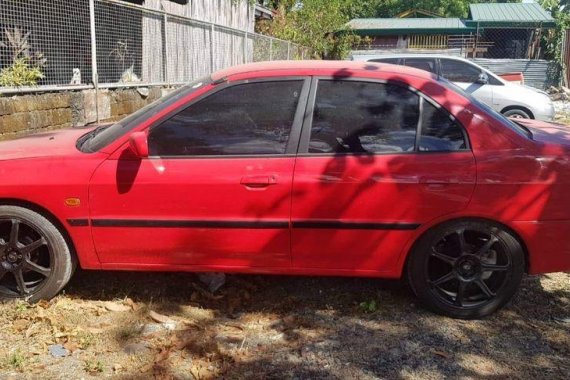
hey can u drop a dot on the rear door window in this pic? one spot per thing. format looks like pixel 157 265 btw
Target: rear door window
pixel 363 117
pixel 358 117
pixel 426 64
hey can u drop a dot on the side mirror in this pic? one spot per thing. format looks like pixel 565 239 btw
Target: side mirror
pixel 483 78
pixel 138 144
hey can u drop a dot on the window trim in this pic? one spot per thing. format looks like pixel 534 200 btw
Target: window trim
pixel 303 149
pixel 296 127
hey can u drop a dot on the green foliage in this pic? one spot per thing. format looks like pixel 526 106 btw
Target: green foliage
pixel 93 366
pixel 313 23
pixel 552 40
pixel 316 23
pixel 369 306
pixel 16 360
pixel 26 68
pixel 20 73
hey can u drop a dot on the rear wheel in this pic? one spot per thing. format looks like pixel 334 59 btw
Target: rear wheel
pixel 466 269
pixel 35 260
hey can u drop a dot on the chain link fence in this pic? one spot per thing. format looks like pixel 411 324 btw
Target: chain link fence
pixel 507 49
pixel 512 42
pixel 75 44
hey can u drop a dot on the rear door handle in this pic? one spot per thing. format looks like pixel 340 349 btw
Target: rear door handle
pixel 258 181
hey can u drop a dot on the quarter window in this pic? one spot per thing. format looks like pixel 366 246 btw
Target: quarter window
pixel 458 71
pixel 439 131
pixel 363 117
pixel 251 118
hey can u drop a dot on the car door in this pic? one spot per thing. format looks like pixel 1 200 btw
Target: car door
pixel 216 187
pixel 365 179
pixel 466 76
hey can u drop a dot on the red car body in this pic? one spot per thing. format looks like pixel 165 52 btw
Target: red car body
pixel 296 214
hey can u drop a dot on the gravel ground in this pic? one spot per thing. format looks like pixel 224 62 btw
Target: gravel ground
pixel 141 325
pixel 562 108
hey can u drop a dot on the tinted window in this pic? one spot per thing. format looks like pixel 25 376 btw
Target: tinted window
pixel 421 63
pixel 253 118
pixel 439 131
pixel 360 117
pixel 105 136
pixel 458 71
pixel 393 61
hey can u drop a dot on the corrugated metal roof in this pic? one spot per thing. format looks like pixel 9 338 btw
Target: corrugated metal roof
pixel 509 12
pixel 400 26
pixel 406 23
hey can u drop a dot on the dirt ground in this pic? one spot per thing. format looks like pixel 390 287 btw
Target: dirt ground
pixel 165 325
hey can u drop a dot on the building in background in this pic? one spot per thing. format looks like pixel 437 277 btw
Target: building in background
pixel 491 30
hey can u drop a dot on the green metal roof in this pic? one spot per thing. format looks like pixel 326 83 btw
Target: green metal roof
pixel 394 26
pixel 510 14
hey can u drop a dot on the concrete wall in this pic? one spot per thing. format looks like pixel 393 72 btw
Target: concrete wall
pixel 22 115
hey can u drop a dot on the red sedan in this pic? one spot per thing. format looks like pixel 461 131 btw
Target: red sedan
pixel 308 168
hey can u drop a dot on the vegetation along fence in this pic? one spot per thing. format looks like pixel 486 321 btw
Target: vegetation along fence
pixel 82 44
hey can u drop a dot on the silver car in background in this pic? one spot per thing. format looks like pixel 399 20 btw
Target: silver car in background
pixel 508 98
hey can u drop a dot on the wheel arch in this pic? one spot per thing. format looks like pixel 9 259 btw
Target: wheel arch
pixel 519 107
pixel 46 214
pixel 509 229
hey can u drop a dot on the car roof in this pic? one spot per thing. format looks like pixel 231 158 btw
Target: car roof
pixel 320 67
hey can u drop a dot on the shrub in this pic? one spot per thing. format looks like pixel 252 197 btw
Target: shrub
pixel 20 73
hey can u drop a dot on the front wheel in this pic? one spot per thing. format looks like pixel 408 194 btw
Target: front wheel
pixel 466 269
pixel 517 113
pixel 35 260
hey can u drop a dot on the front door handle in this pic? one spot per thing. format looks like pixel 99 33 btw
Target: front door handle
pixel 258 181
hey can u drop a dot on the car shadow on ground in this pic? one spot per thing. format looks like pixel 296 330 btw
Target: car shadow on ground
pixel 309 327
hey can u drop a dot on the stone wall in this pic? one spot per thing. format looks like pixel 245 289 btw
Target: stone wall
pixel 21 115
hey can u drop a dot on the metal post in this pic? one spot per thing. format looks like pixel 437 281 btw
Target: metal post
pixel 288 50
pixel 245 47
pixel 165 52
pixel 476 41
pixel 94 74
pixel 271 49
pixel 212 47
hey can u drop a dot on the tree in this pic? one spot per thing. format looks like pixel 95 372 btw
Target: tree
pixel 552 41
pixel 314 24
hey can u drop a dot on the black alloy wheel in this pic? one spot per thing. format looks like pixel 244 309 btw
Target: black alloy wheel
pixel 25 256
pixel 466 269
pixel 35 261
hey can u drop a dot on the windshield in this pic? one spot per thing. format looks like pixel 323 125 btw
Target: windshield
pixel 103 136
pixel 521 130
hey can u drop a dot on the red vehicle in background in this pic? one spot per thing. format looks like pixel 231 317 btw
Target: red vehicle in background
pixel 307 168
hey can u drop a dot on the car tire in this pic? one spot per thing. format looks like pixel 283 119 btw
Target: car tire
pixel 35 259
pixel 517 113
pixel 466 269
